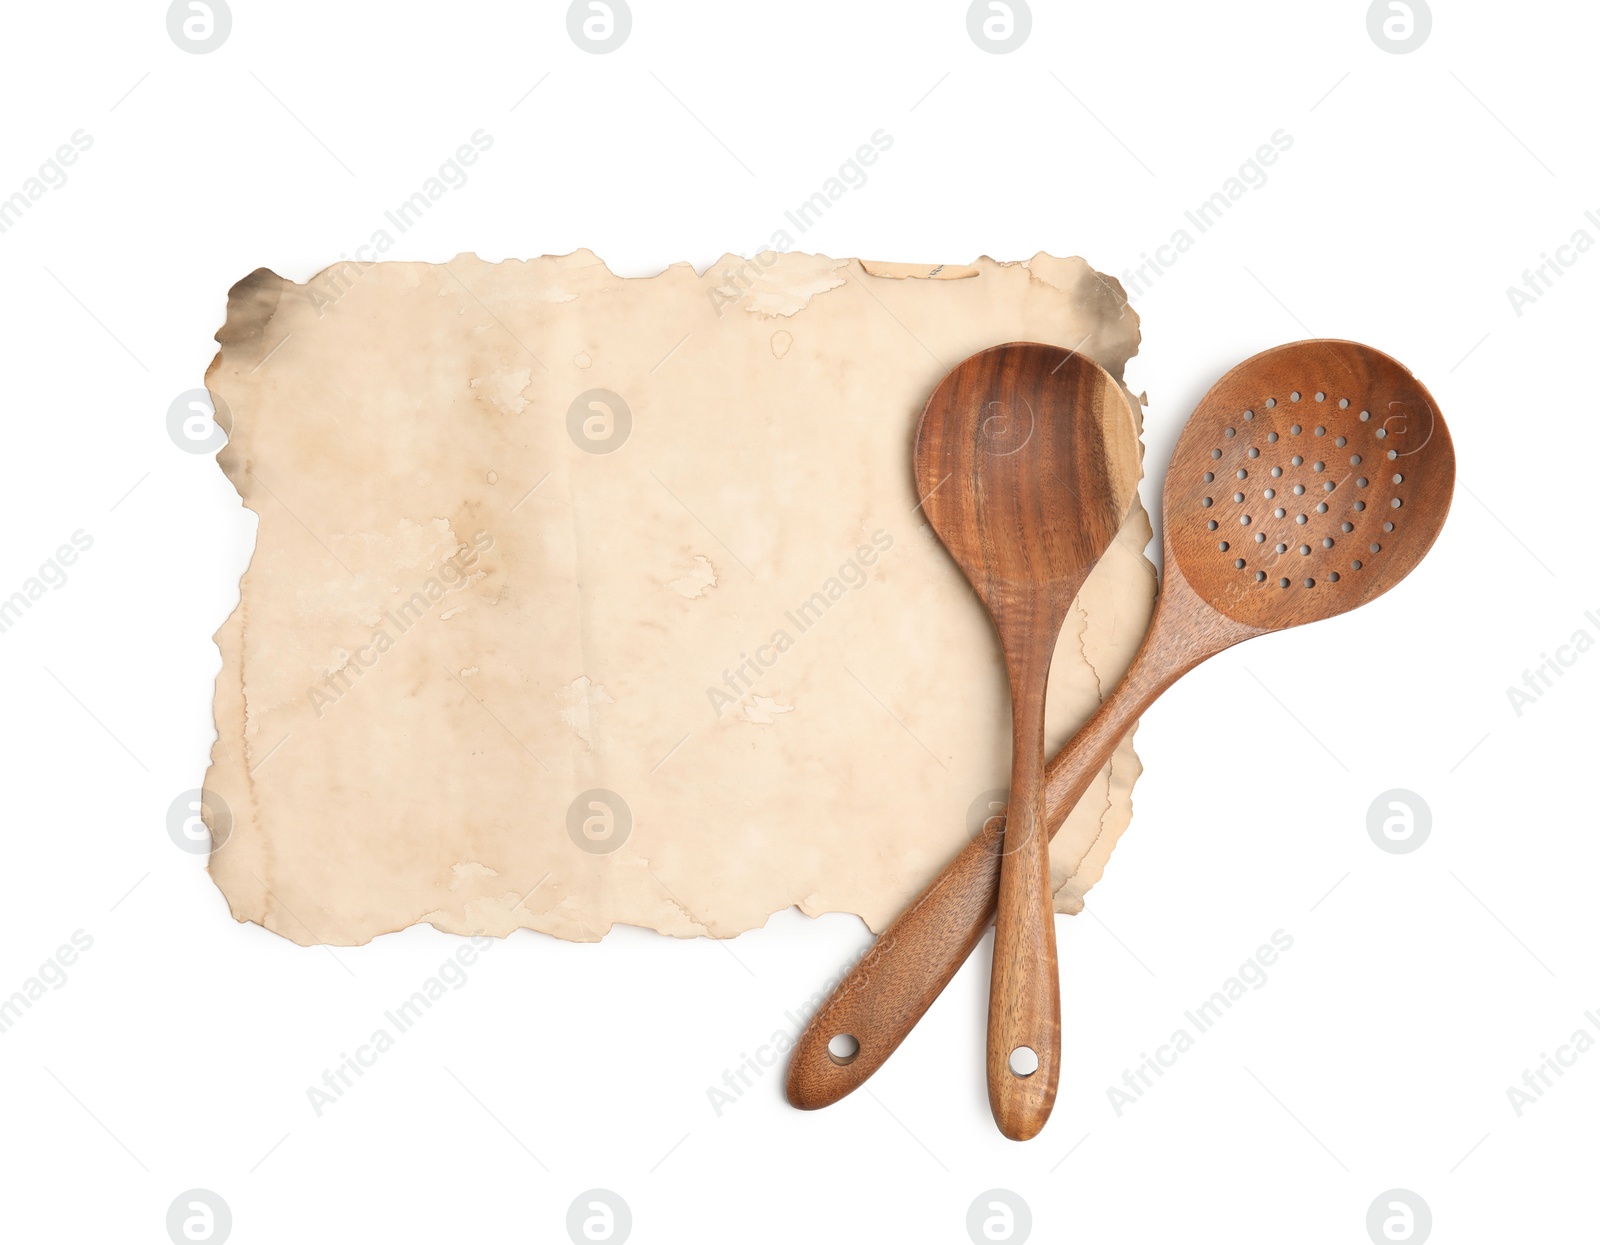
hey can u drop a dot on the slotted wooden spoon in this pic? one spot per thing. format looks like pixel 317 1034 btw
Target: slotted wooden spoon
pixel 1309 480
pixel 1026 463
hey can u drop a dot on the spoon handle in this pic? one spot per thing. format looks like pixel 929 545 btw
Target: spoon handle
pixel 881 999
pixel 1024 1046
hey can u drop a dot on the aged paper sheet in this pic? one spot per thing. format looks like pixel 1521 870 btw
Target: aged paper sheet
pixel 580 600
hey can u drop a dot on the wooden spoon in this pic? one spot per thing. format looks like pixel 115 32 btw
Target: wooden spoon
pixel 1026 463
pixel 1310 479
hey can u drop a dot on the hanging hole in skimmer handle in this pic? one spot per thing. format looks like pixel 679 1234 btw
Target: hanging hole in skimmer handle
pixel 843 1049
pixel 1024 1061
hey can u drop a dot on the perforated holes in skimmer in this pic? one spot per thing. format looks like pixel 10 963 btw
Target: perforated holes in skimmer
pixel 1320 541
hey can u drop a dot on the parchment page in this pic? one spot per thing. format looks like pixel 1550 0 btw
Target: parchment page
pixel 580 600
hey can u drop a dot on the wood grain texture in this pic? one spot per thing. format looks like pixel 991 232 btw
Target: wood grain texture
pixel 1026 463
pixel 1207 603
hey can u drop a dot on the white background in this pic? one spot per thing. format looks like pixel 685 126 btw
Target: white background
pixel 1419 987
